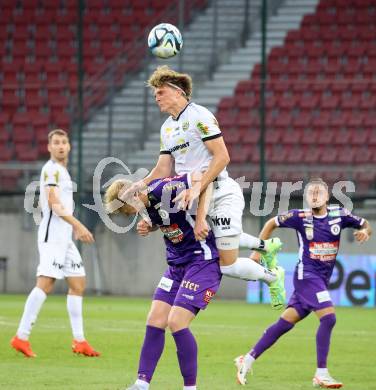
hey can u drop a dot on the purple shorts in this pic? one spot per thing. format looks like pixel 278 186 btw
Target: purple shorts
pixel 309 295
pixel 191 285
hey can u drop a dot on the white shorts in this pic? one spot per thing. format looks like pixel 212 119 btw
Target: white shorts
pixel 226 208
pixel 59 260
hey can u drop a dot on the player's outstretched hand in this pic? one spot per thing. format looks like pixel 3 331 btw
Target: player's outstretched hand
pixel 361 235
pixel 186 198
pixel 81 233
pixel 201 229
pixel 143 228
pixel 134 188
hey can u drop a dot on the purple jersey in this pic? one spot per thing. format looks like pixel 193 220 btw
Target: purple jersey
pixel 177 225
pixel 318 238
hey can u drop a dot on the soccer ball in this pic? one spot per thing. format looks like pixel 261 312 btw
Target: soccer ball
pixel 165 40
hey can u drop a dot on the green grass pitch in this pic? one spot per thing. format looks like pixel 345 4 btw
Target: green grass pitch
pixel 115 326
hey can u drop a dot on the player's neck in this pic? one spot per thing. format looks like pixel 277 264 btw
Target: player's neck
pixel 64 162
pixel 178 108
pixel 319 212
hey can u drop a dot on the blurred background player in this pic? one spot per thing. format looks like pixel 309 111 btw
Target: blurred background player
pixel 318 230
pixel 59 257
pixel 189 283
pixel 192 141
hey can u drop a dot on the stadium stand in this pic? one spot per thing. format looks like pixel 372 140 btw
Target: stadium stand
pixel 320 100
pixel 38 70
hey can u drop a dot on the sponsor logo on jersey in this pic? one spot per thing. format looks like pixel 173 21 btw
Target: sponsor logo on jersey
pixel 204 129
pixel 189 297
pixel 209 294
pixel 284 217
pixel 174 186
pixel 323 251
pixel 172 233
pixel 189 285
pixel 76 265
pixel 221 221
pixel 180 147
pixel 57 265
pixel 165 284
pixel 323 296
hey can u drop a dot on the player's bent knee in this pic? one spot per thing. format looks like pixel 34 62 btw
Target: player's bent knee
pixel 158 321
pixel 175 324
pixel 329 319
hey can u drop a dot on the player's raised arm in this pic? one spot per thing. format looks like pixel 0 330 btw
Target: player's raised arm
pixel 201 229
pixel 80 231
pixel 265 233
pixel 220 160
pixel 162 169
pixel 363 234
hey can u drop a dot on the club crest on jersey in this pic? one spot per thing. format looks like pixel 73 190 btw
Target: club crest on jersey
pixel 309 232
pixel 185 126
pixel 335 229
pixel 163 214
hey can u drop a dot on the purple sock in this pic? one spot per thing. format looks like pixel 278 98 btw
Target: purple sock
pixel 151 352
pixel 323 338
pixel 270 336
pixel 187 355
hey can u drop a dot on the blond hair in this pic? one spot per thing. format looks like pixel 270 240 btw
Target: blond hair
pixel 61 132
pixel 113 193
pixel 317 181
pixel 164 75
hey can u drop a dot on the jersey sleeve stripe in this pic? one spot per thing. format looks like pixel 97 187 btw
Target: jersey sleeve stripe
pixel 48 227
pixel 164 152
pixel 212 137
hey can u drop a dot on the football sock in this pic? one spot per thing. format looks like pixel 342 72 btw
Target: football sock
pixel 151 351
pixel 250 242
pixel 74 307
pixel 186 347
pixel 33 305
pixel 247 269
pixel 323 334
pixel 321 372
pixel 270 336
pixel 189 388
pixel 142 384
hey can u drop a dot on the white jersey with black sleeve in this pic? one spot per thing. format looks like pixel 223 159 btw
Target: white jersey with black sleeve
pixel 184 139
pixel 53 228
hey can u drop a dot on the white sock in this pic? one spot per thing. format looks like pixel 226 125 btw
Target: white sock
pixel 189 388
pixel 33 305
pixel 247 269
pixel 142 384
pixel 321 371
pixel 248 241
pixel 74 306
pixel 249 359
